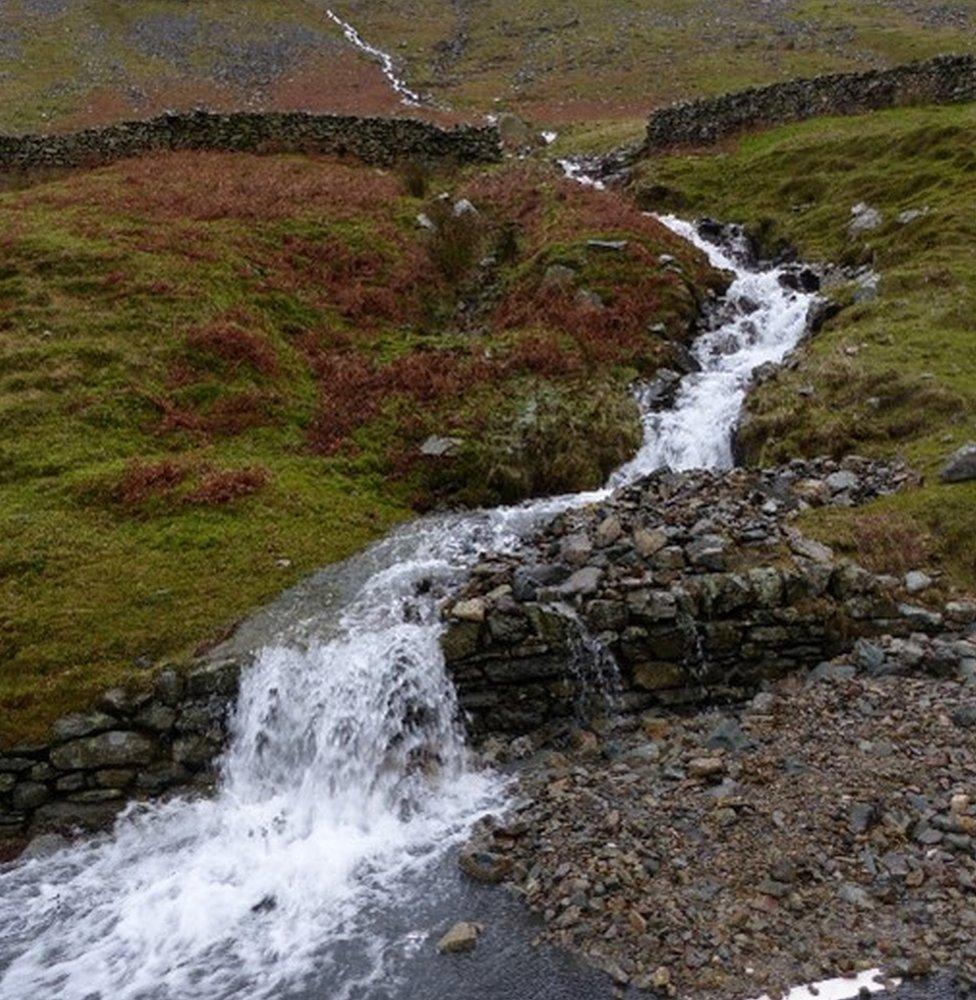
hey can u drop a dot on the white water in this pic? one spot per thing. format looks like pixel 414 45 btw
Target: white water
pixel 387 64
pixel 347 772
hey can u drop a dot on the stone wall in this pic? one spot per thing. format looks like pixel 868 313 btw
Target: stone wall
pixel 373 140
pixel 943 80
pixel 690 587
pixel 131 746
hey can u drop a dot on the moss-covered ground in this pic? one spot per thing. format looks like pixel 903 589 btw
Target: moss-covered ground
pixel 217 372
pixel 893 375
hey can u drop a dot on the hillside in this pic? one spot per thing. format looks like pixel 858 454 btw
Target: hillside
pixel 217 373
pixel 891 374
pixel 78 62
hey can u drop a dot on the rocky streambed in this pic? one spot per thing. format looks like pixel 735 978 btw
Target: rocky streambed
pixel 742 763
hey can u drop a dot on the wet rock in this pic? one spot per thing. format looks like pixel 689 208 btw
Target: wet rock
pixel 461 937
pixel 43 846
pixel 583 581
pixel 472 610
pixel 483 865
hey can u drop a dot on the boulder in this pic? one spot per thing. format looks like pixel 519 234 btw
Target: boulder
pixel 961 466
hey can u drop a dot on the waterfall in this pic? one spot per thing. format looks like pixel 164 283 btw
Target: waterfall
pixel 347 774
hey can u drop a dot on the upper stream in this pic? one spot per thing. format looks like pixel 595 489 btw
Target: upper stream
pixel 347 777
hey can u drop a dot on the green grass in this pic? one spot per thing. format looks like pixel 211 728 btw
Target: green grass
pixel 176 327
pixel 890 377
pixel 556 62
pixel 587 59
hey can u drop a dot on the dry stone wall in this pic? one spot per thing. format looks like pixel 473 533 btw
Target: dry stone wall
pixel 943 80
pixel 131 746
pixel 687 587
pixel 374 140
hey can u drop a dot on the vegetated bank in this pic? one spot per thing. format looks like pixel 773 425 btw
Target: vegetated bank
pixel 221 371
pixel 887 195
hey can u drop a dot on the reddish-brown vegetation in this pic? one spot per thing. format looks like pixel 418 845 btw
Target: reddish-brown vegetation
pixel 224 486
pixel 204 186
pixel 142 481
pixel 386 282
pixel 227 339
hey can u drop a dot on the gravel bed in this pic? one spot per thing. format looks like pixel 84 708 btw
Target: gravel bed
pixel 827 827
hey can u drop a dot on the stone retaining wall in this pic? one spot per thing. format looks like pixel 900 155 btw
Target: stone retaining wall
pixel 943 80
pixel 691 587
pixel 133 745
pixel 373 140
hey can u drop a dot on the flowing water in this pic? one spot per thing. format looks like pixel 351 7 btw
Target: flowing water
pixel 387 64
pixel 346 779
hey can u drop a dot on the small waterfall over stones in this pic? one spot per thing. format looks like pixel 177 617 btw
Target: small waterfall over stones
pixel 347 775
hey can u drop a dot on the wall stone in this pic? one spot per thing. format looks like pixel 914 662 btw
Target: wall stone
pixel 374 140
pixel 943 80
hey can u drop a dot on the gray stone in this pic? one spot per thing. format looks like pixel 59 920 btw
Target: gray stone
pixel 575 549
pixel 169 687
pixel 194 751
pixel 649 542
pixel 916 581
pixel 558 276
pixel 838 482
pixel 28 795
pixel 961 465
pixel 608 531
pixel 110 749
pixel 583 581
pixel 864 219
pixel 611 245
pixel 484 866
pixel 440 447
pixel 70 727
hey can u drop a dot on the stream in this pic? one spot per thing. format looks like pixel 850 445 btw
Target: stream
pixel 321 867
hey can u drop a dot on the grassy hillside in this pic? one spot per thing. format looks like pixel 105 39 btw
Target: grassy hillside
pixel 217 372
pixel 891 375
pixel 73 62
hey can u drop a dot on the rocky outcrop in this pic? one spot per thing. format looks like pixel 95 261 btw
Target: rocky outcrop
pixel 373 140
pixel 687 587
pixel 133 745
pixel 943 80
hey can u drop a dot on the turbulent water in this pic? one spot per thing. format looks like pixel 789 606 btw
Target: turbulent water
pixel 347 776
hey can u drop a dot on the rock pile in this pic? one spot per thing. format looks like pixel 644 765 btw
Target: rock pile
pixel 696 585
pixel 827 827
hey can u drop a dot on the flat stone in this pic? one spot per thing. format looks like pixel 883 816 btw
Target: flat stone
pixel 583 581
pixel 608 531
pixel 649 542
pixel 111 749
pixel 440 447
pixel 71 727
pixel 839 482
